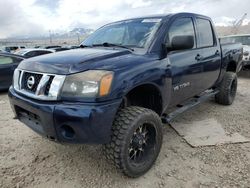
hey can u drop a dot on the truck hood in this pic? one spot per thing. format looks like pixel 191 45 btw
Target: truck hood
pixel 72 61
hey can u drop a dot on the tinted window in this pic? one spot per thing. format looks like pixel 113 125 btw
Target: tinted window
pixel 61 49
pixel 31 54
pixel 180 27
pixel 5 60
pixel 205 33
pixel 43 52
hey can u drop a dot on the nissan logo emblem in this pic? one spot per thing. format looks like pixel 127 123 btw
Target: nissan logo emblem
pixel 31 82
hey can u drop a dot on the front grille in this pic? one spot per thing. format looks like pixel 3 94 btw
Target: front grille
pixel 26 76
pixel 40 86
pixel 48 85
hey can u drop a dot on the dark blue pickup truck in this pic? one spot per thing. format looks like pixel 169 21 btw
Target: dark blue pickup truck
pixel 126 79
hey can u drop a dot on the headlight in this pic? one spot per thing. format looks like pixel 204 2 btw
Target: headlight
pixel 16 79
pixel 92 83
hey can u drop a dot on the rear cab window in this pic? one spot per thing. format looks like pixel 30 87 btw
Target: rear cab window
pixel 205 33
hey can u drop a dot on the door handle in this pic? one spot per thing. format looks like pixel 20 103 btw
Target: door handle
pixel 198 57
pixel 217 52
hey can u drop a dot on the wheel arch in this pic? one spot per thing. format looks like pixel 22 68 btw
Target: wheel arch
pixel 232 67
pixel 147 95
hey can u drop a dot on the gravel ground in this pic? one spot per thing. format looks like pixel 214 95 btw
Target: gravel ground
pixel 28 160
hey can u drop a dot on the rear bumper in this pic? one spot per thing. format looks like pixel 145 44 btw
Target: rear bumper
pixel 66 122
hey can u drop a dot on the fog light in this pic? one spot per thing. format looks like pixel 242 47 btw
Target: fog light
pixel 67 132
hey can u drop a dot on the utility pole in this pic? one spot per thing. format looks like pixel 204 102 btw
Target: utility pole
pixel 238 23
pixel 78 37
pixel 50 37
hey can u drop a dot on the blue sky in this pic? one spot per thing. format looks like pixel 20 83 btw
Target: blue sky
pixel 37 17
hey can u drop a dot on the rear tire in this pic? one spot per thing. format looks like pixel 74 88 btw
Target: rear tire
pixel 227 89
pixel 136 140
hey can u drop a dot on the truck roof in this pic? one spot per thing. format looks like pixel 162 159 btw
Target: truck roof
pixel 164 16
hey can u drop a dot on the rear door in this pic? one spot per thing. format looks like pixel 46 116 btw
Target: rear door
pixel 208 54
pixel 186 72
pixel 7 66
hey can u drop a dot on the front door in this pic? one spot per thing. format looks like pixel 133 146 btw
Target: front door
pixel 186 72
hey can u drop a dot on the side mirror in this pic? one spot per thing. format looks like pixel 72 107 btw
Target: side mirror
pixel 181 42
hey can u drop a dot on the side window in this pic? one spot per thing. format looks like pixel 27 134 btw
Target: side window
pixel 181 26
pixel 205 32
pixel 5 60
pixel 29 54
pixel 44 52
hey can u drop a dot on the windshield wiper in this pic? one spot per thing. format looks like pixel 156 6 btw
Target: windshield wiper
pixel 106 44
pixel 85 46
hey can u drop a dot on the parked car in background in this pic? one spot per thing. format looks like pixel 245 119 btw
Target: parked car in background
pixel 28 53
pixel 245 41
pixel 73 47
pixel 52 47
pixel 246 57
pixel 8 63
pixel 12 49
pixel 61 49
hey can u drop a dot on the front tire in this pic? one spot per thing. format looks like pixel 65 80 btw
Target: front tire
pixel 136 140
pixel 227 89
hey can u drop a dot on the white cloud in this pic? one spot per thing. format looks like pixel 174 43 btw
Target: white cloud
pixel 226 21
pixel 39 16
pixel 246 22
pixel 139 3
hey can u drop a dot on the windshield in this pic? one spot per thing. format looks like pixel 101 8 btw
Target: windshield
pixel 131 33
pixel 245 40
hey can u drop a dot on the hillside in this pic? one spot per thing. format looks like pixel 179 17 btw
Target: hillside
pixel 223 31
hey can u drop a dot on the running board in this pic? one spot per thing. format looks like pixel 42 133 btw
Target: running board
pixel 167 118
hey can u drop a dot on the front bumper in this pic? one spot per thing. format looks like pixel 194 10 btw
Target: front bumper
pixel 66 122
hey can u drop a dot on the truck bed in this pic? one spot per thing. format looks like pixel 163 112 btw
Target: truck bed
pixel 232 52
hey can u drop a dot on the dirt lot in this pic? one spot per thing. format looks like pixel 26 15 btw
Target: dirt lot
pixel 28 160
